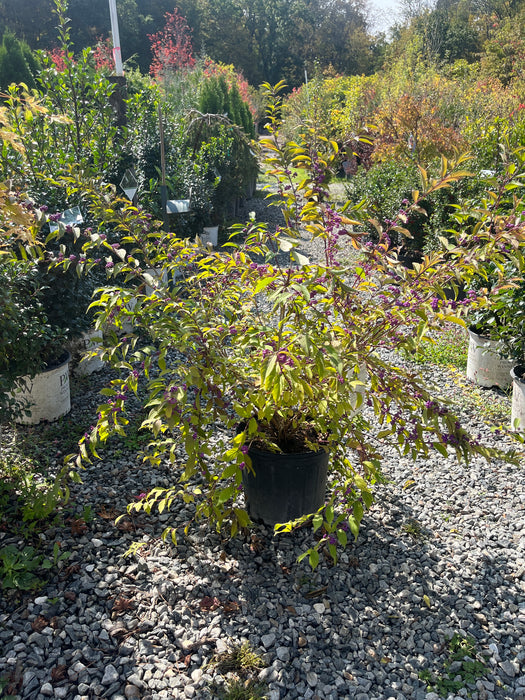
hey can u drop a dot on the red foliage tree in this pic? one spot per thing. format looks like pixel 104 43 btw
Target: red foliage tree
pixel 171 47
pixel 58 56
pixel 103 54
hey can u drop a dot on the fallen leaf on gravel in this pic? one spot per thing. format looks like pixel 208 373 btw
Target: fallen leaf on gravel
pixel 39 623
pixel 316 593
pixel 121 604
pixel 108 513
pixel 125 525
pixel 230 606
pixel 69 570
pixel 256 544
pixel 78 526
pixel 58 673
pixel 118 630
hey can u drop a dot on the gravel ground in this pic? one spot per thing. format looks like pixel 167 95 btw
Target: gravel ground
pixel 442 553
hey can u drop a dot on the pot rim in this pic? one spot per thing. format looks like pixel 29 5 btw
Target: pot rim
pixel 518 373
pixel 258 450
pixel 474 330
pixel 62 360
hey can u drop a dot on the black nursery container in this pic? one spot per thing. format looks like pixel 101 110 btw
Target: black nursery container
pixel 284 486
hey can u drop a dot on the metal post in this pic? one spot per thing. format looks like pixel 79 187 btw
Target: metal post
pixel 117 57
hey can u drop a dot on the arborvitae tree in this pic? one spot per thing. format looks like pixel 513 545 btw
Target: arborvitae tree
pixel 211 100
pixel 17 62
pixel 222 88
pixel 247 120
pixel 234 105
pixel 217 97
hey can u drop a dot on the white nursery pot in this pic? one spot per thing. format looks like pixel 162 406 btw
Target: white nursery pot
pixel 159 275
pixel 360 389
pixel 485 365
pixel 88 342
pixel 46 395
pixel 517 420
pixel 210 234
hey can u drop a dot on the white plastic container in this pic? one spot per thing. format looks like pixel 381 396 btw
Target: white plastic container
pixel 485 365
pixel 517 420
pixel 159 276
pixel 210 234
pixel 46 395
pixel 87 343
pixel 360 389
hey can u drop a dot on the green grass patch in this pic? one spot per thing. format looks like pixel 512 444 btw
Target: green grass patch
pixel 448 347
pixel 241 659
pixel 240 664
pixel 242 690
pixel 28 498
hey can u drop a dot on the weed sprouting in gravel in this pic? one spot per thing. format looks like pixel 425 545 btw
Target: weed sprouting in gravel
pixel 461 669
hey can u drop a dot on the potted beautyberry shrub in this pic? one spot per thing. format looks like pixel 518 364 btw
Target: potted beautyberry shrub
pixel 260 349
pixel 496 322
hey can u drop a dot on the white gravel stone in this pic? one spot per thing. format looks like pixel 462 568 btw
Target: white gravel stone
pixel 268 640
pixel 312 679
pixel 110 676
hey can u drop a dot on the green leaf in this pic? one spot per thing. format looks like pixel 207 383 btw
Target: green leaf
pixel 230 470
pixel 361 483
pixel 262 284
pixel 333 552
pixel 225 494
pixel 317 521
pixel 354 527
pixel 269 369
pixel 342 538
pixel 242 517
pixel 440 448
pixel 313 558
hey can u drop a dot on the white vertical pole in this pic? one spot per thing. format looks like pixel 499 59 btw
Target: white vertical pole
pixel 117 57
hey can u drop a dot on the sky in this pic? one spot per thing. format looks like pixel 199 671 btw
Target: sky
pixel 385 14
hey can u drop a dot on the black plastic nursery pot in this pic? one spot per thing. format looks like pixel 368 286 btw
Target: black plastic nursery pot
pixel 284 486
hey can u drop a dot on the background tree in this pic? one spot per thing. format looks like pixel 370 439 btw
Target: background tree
pixel 504 56
pixel 30 20
pixel 18 64
pixel 171 46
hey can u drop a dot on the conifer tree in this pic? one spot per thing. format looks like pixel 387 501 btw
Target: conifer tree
pixel 17 63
